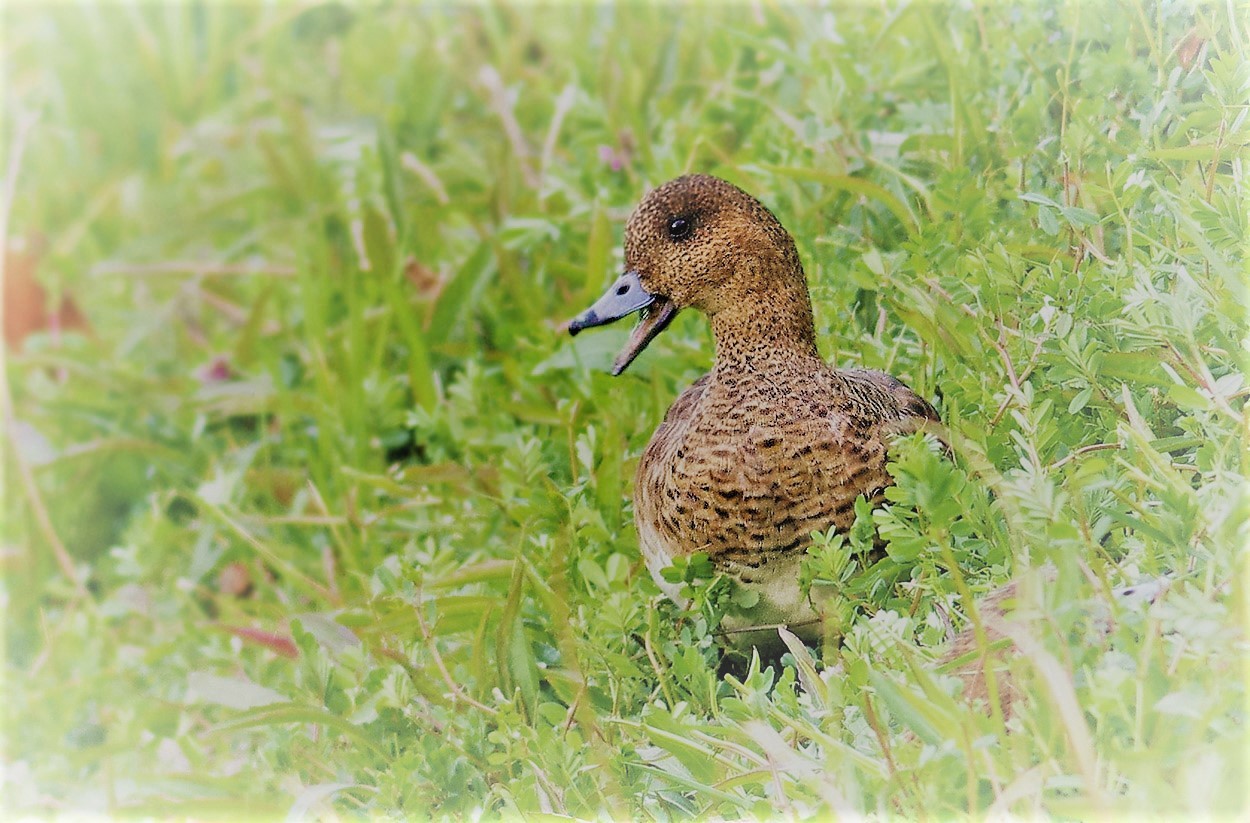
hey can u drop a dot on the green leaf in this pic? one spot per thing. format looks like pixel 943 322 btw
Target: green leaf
pixel 379 246
pixel 231 692
pixel 460 295
pixel 908 708
pixel 1048 221
pixel 1080 400
pixel 853 185
pixel 1188 398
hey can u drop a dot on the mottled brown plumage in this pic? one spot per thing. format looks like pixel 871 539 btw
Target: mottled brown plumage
pixel 773 443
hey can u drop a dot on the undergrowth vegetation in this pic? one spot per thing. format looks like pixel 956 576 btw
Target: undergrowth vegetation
pixel 323 512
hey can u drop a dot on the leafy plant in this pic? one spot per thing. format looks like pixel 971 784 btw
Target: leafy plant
pixel 324 514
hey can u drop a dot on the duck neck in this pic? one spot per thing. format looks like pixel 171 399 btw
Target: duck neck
pixel 758 329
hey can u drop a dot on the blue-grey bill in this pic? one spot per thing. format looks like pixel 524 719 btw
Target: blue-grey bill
pixel 624 297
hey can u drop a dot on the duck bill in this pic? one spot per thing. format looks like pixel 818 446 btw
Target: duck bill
pixel 624 297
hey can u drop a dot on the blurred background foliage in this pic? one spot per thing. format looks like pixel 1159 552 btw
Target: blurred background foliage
pixel 310 508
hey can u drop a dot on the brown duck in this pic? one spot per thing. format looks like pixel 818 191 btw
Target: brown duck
pixel 773 442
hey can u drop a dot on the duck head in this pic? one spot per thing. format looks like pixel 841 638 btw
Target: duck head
pixel 701 242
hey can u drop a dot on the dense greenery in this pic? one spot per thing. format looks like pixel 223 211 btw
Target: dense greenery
pixel 348 514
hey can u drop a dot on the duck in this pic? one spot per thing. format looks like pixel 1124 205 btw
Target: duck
pixel 773 443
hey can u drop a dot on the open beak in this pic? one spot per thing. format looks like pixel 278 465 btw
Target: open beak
pixel 622 298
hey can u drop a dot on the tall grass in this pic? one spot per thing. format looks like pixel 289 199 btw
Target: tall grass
pixel 348 514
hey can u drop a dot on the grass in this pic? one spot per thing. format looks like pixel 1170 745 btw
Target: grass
pixel 344 516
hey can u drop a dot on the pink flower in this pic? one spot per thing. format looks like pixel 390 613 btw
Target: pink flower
pixel 217 371
pixel 615 158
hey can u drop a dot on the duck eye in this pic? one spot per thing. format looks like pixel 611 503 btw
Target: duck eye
pixel 679 228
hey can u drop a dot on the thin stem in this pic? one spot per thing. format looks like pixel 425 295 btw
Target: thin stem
pixel 25 475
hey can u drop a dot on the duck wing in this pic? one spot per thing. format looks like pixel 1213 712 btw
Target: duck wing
pixel 907 405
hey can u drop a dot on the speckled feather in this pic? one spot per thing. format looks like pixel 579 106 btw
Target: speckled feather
pixel 773 443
